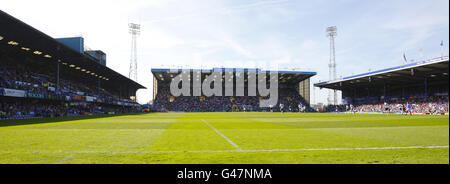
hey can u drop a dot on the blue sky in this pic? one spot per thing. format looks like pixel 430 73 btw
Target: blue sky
pixel 289 34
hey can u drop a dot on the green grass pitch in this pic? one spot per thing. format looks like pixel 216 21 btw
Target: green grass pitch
pixel 236 138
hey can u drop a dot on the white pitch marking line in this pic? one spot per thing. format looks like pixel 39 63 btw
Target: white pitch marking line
pixel 225 137
pixel 225 151
pixel 347 149
pixel 64 159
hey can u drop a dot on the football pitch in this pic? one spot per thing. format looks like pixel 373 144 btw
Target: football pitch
pixel 228 138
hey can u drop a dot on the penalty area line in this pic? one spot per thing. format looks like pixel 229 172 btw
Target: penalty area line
pixel 228 151
pixel 225 137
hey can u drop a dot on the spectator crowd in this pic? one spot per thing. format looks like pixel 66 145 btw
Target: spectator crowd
pixel 40 97
pixel 166 102
pixel 25 109
pixel 429 105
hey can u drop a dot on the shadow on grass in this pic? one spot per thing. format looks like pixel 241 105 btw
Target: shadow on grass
pixel 6 123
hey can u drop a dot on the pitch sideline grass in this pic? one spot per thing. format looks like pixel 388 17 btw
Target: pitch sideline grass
pixel 280 138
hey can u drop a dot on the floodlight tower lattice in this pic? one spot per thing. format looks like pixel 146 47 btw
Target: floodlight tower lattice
pixel 134 30
pixel 332 33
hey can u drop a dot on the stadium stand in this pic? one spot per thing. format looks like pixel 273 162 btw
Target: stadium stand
pixel 419 88
pixel 293 90
pixel 41 77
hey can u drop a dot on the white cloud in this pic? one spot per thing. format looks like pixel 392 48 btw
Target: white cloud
pixel 237 47
pixel 154 38
pixel 308 45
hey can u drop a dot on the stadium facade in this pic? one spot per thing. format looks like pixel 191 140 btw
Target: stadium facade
pixel 37 70
pixel 293 89
pixel 421 79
